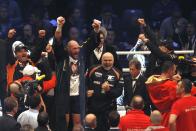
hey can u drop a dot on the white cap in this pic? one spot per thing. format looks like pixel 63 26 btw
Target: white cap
pixel 30 70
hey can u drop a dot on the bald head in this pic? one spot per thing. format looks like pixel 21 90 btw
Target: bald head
pixel 73 49
pixel 156 117
pixel 137 102
pixel 107 60
pixel 90 121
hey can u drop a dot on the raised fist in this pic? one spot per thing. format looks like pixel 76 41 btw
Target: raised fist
pixel 42 33
pixel 141 22
pixel 11 33
pixel 60 21
pixel 96 25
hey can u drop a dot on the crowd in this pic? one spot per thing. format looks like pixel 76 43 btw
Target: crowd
pixel 66 75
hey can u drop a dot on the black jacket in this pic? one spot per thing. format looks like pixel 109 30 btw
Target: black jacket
pixel 8 123
pixel 157 57
pixel 104 101
pixel 138 89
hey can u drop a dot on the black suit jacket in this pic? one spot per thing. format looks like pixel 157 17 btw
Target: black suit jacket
pixel 8 123
pixel 140 89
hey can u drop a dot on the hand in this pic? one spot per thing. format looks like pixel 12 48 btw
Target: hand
pixel 49 48
pixel 11 33
pixel 177 77
pixel 141 21
pixel 42 33
pixel 60 21
pixel 143 38
pixel 90 93
pixel 105 86
pixel 96 25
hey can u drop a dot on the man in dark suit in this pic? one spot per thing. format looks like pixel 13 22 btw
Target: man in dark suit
pixel 95 55
pixel 42 120
pixel 70 91
pixel 7 121
pixel 135 85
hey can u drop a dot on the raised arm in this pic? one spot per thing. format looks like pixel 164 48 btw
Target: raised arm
pixel 56 45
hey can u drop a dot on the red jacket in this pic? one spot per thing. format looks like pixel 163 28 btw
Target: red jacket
pixel 163 95
pixel 134 120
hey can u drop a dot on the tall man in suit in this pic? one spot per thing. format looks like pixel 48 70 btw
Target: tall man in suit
pixel 135 85
pixel 7 121
pixel 70 91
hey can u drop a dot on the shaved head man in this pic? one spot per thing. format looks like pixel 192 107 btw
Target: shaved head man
pixel 107 61
pixel 90 121
pixel 156 117
pixel 73 49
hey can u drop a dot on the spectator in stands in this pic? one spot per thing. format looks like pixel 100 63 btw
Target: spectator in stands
pixel 7 121
pixel 191 34
pixel 114 119
pixel 28 36
pixel 43 121
pixel 135 85
pixel 135 119
pixel 174 27
pixel 160 10
pixel 26 128
pixel 183 111
pixel 90 122
pixel 156 119
pixel 111 39
pixel 5 23
pixel 162 89
pixel 30 116
pixel 108 19
pixel 104 84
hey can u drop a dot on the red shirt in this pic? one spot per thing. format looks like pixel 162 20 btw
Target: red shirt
pixel 134 119
pixel 163 95
pixel 185 110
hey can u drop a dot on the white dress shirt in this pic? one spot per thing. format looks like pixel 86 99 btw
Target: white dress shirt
pixel 74 80
pixel 98 52
pixel 29 117
pixel 134 82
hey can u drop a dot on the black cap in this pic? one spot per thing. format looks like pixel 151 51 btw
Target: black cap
pixel 20 47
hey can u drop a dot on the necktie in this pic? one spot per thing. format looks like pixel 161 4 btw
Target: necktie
pixel 74 68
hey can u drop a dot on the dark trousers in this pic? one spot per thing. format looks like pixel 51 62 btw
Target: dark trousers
pixel 50 108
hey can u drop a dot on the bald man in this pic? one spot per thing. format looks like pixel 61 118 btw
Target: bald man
pixel 70 91
pixel 104 83
pixel 156 119
pixel 135 119
pixel 90 122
